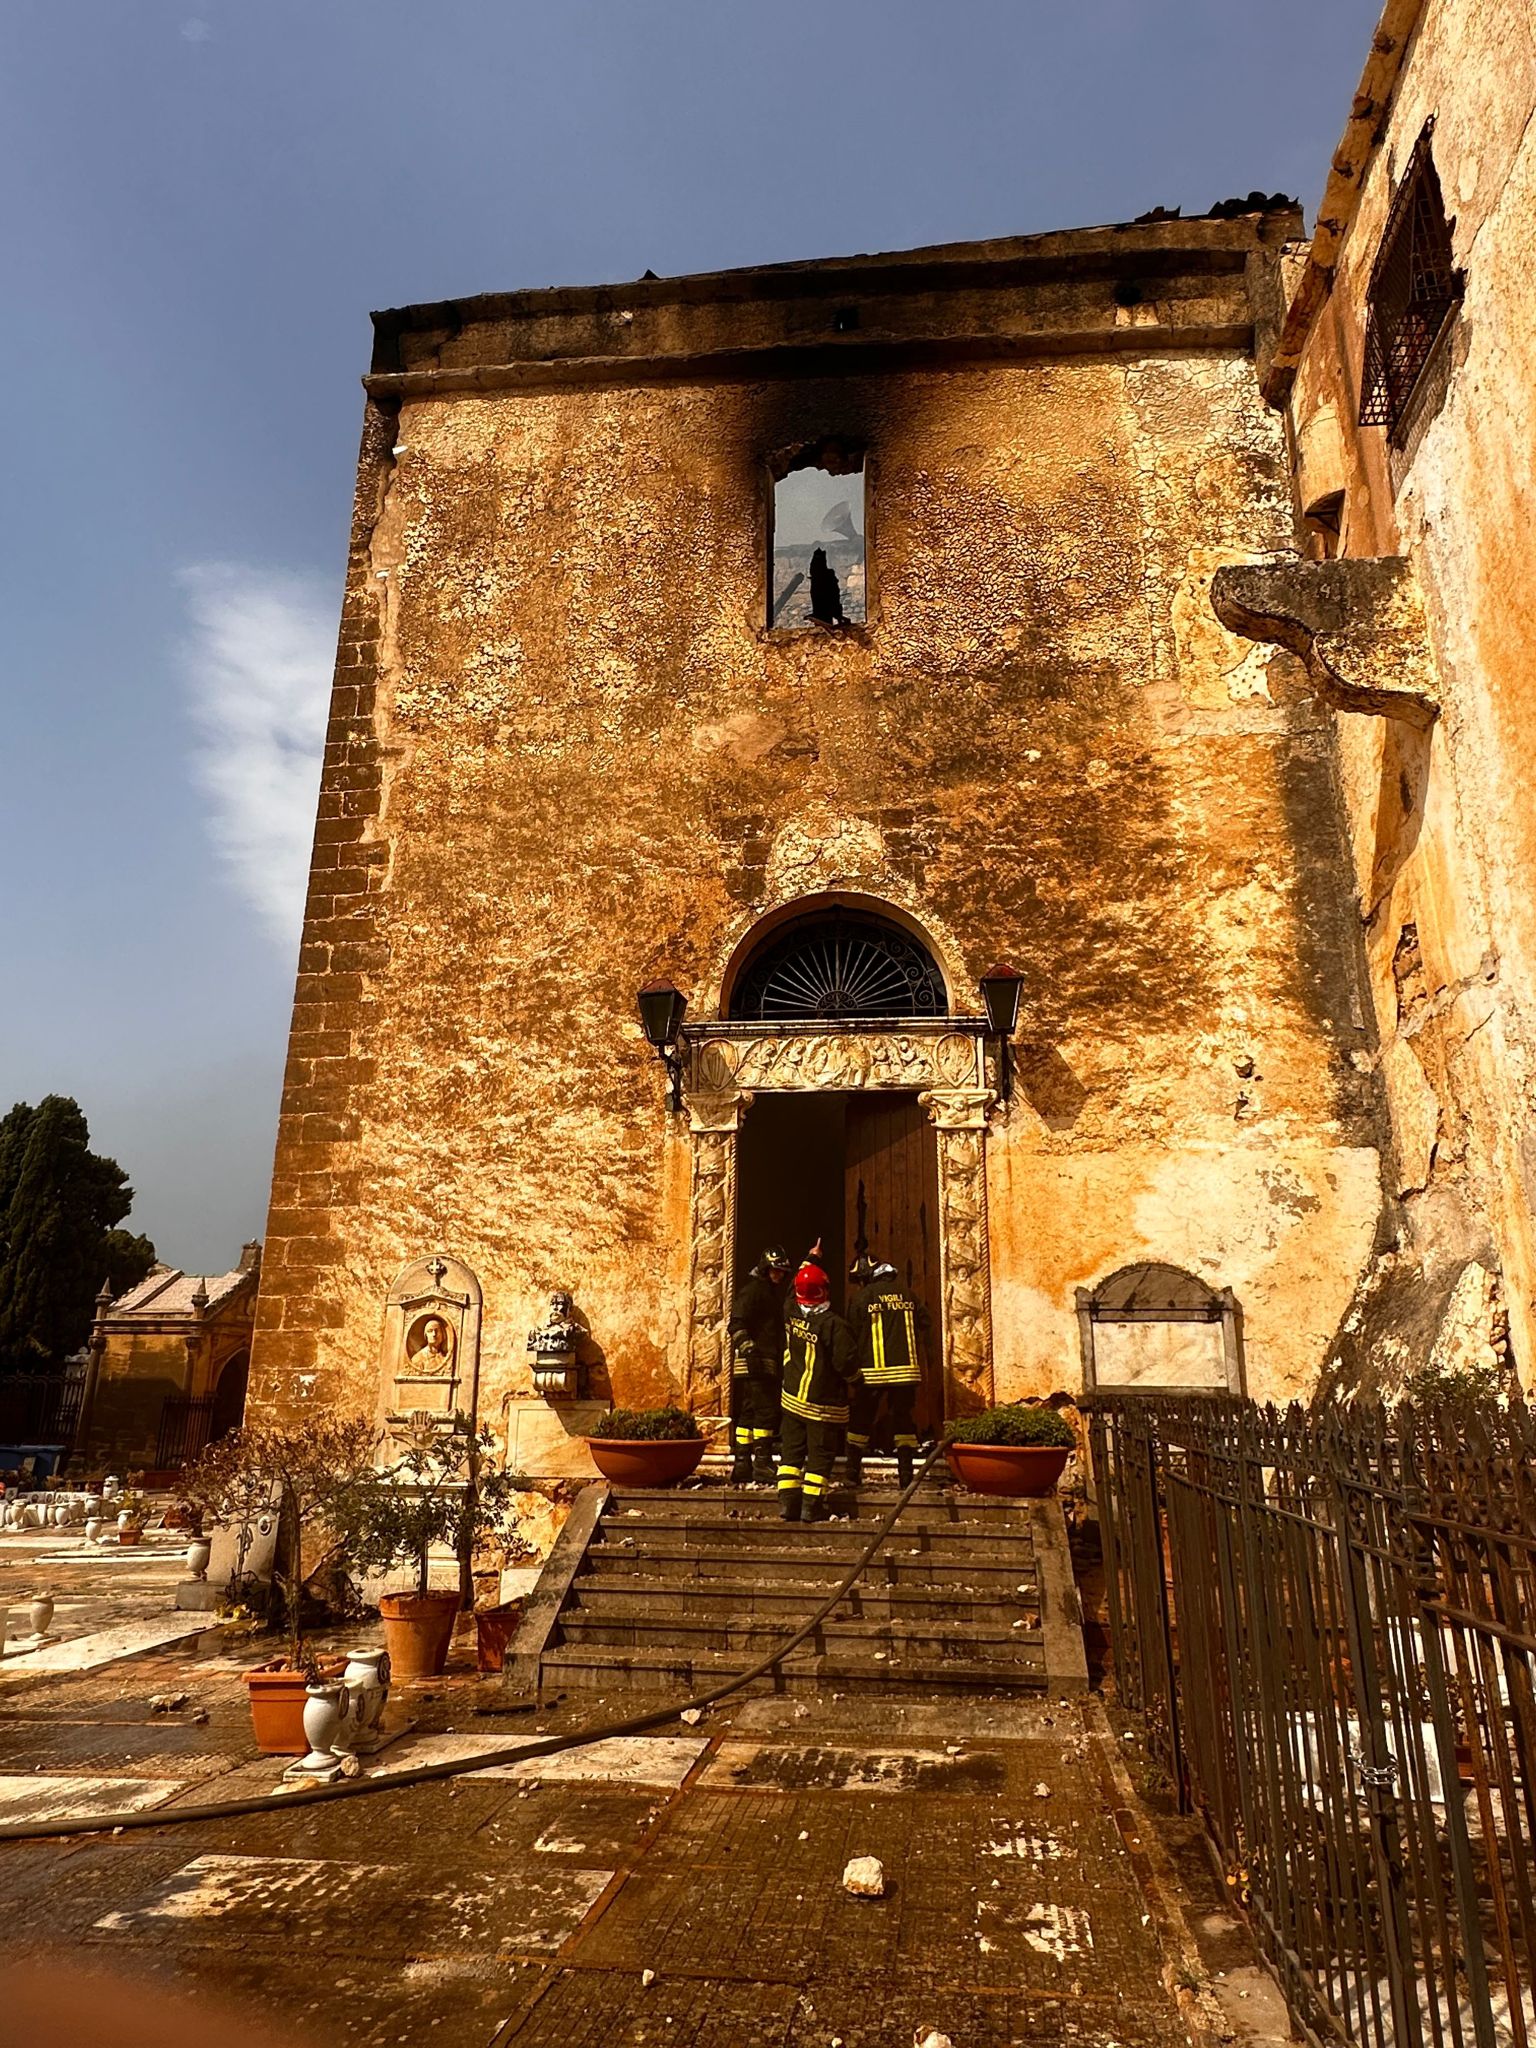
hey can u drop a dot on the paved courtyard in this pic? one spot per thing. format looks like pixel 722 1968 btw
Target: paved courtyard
pixel 679 1887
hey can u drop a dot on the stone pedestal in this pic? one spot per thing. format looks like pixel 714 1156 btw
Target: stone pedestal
pixel 197 1596
pixel 544 1440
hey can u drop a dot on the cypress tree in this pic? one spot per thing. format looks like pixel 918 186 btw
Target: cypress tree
pixel 58 1202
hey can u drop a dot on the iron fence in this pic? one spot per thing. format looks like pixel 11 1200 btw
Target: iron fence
pixel 185 1426
pixel 1329 1623
pixel 40 1407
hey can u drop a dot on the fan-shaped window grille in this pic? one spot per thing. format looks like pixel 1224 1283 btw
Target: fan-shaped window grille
pixel 841 967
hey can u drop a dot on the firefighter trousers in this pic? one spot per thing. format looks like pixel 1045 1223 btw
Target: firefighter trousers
pixel 754 1420
pixel 807 1457
pixel 900 1398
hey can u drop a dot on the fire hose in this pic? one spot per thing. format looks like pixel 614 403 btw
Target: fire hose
pixel 503 1753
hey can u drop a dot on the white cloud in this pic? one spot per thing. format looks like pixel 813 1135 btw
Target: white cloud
pixel 258 661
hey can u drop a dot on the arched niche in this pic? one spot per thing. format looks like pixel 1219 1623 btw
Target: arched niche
pixel 1157 1328
pixel 801 917
pixel 228 1410
pixel 430 1359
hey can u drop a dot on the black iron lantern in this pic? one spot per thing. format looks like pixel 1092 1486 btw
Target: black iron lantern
pixel 661 1018
pixel 1001 987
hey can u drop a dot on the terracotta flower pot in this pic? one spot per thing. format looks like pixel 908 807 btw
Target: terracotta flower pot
pixel 1025 1471
pixel 494 1630
pixel 636 1463
pixel 418 1629
pixel 133 1533
pixel 277 1709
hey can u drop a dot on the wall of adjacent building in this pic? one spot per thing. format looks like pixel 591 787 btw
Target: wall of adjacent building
pixel 565 758
pixel 1442 827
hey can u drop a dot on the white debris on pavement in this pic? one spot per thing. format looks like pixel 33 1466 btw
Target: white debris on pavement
pixel 864 1877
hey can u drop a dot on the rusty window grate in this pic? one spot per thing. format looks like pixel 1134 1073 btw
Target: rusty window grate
pixel 1414 291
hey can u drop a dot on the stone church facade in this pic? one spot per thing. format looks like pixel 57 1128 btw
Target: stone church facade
pixel 574 750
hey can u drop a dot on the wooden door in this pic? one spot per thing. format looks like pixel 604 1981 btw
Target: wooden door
pixel 891 1188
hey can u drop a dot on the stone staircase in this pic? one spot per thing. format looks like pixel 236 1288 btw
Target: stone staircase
pixel 675 1590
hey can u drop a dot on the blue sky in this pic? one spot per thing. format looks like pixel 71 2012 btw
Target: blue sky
pixel 201 203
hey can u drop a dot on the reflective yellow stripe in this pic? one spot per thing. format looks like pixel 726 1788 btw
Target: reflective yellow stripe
pixel 789 1476
pixel 877 1343
pixel 815 1411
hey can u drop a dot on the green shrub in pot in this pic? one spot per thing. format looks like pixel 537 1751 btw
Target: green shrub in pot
pixel 647 1426
pixel 1024 1424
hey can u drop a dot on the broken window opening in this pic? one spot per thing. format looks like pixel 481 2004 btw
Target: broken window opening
pixel 816 543
pixel 1414 291
pixel 1323 522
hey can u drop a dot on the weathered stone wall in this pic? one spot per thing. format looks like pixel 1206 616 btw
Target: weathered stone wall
pixel 566 758
pixel 1442 826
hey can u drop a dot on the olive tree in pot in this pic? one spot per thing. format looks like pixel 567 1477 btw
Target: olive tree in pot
pixel 304 1480
pixel 440 1491
pixel 1020 1449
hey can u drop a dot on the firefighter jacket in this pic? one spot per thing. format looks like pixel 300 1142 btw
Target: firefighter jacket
pixel 820 1365
pixel 757 1327
pixel 889 1327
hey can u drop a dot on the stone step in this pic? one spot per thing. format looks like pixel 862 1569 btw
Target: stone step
pixel 900 1640
pixel 800 1564
pixel 617 1668
pixel 617 1597
pixel 834 1538
pixel 864 1506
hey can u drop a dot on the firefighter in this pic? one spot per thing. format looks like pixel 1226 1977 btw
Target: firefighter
pixel 820 1366
pixel 889 1327
pixel 757 1351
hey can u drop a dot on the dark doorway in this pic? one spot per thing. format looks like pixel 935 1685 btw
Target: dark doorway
pixel 861 1173
pixel 229 1397
pixel 789 1181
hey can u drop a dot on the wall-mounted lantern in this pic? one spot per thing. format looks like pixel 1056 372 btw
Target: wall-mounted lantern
pixel 1001 987
pixel 661 1019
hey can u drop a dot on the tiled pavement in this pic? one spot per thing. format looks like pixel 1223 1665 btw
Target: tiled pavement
pixel 493 1910
pixel 525 1907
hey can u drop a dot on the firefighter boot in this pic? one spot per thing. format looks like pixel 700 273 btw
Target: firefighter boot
pixel 816 1509
pixel 762 1462
pixel 854 1462
pixel 906 1458
pixel 741 1466
pixel 789 1504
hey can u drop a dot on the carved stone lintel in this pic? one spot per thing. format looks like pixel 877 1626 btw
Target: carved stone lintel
pixel 797 1060
pixel 1357 624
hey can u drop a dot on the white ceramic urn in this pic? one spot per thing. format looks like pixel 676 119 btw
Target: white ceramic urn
pixel 92 1528
pixel 366 1678
pixel 41 1615
pixel 199 1550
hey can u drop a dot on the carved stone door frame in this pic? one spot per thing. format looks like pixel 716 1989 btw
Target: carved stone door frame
pixel 947 1065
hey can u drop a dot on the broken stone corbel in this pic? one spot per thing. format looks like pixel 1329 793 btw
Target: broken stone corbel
pixel 1358 626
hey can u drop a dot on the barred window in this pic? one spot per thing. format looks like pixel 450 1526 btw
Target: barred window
pixel 1413 294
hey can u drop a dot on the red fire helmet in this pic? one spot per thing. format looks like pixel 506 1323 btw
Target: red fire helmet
pixel 811 1284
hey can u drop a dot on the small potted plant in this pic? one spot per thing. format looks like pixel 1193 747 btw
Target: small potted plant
pixel 1019 1449
pixel 304 1480
pixel 131 1506
pixel 647 1446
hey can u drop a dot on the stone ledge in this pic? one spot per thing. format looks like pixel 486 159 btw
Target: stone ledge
pixel 1358 626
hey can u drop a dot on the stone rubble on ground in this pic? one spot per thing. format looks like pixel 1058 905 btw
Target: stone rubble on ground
pixel 864 1877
